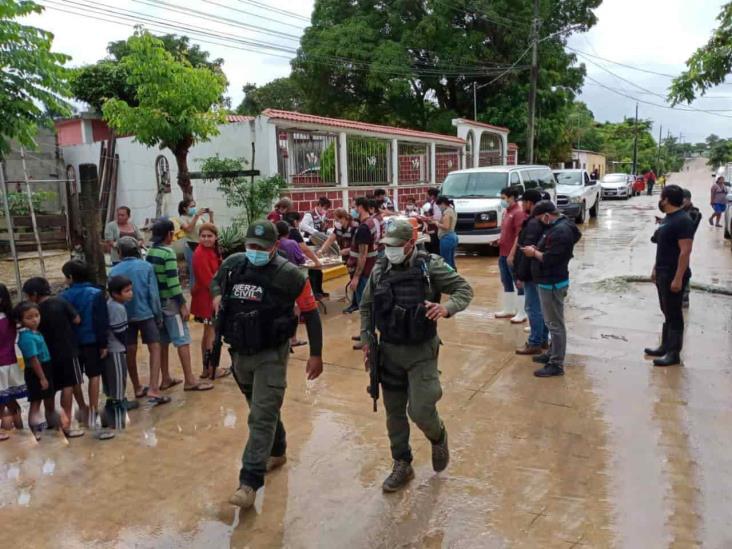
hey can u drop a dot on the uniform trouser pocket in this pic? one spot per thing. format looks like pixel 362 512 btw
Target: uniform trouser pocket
pixel 425 391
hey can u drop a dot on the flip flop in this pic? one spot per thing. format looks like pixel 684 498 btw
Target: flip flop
pixel 173 383
pixel 38 429
pixel 74 433
pixel 298 343
pixel 104 435
pixel 143 393
pixel 4 436
pixel 199 387
pixel 159 401
pixel 223 373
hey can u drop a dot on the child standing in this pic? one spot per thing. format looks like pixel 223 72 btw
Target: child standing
pixel 115 365
pixel 91 333
pixel 38 372
pixel 12 383
pixel 58 317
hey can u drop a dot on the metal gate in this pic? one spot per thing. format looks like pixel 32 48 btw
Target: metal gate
pixel 307 159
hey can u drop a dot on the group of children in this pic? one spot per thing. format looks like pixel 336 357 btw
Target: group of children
pixel 48 343
pixel 58 340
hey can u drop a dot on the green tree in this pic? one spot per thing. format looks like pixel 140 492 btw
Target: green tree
pixel 255 198
pixel 177 104
pixel 109 78
pixel 720 153
pixel 617 146
pixel 709 65
pixel 281 93
pixel 33 79
pixel 403 61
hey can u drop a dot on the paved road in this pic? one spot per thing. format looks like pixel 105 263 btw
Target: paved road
pixel 615 454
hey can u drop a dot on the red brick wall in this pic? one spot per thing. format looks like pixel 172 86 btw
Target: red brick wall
pixel 409 172
pixel 446 163
pixel 306 201
pixel 419 194
pixel 512 157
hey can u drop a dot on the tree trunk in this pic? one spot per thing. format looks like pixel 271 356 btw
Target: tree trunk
pixel 181 159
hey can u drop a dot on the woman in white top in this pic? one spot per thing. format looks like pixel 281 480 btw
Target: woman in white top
pixel 190 218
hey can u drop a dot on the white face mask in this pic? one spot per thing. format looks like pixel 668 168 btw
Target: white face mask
pixel 395 255
pixel 338 225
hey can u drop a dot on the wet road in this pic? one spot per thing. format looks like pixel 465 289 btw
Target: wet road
pixel 614 454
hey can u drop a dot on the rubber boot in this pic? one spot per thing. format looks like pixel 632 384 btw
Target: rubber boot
pixel 520 302
pixel 508 305
pixel 673 355
pixel 662 348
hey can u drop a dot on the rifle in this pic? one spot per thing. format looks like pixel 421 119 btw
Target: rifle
pixel 374 359
pixel 214 357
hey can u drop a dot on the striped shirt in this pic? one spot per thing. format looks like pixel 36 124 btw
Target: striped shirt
pixel 165 264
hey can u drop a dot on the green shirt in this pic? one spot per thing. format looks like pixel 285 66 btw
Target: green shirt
pixel 443 280
pixel 165 265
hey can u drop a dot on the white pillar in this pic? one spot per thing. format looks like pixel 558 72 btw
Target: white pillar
pixel 395 171
pixel 343 167
pixel 463 158
pixel 504 148
pixel 478 134
pixel 433 161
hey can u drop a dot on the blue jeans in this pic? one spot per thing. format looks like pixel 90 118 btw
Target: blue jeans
pixel 507 276
pixel 360 288
pixel 188 254
pixel 539 332
pixel 448 245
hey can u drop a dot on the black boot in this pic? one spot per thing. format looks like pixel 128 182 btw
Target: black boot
pixel 663 347
pixel 673 356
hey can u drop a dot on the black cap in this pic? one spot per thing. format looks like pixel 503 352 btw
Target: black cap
pixel 545 206
pixel 687 194
pixel 263 233
pixel 160 230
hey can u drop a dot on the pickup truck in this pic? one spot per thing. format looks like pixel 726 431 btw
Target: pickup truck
pixel 577 194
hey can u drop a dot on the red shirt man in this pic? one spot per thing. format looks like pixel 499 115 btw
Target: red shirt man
pixel 513 219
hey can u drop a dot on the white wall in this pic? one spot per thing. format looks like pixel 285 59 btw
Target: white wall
pixel 136 183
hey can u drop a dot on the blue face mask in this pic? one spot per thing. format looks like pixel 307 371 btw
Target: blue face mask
pixel 504 204
pixel 258 258
pixel 192 211
pixel 354 213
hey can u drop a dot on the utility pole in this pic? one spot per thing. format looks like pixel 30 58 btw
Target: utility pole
pixel 635 141
pixel 475 101
pixel 530 131
pixel 658 155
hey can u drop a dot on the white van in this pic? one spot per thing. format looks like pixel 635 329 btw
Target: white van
pixel 477 196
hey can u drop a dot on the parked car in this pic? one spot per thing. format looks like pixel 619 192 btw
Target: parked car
pixel 577 194
pixel 728 215
pixel 477 196
pixel 617 185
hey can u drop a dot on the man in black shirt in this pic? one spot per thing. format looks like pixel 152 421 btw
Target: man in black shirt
pixel 671 273
pixel 696 216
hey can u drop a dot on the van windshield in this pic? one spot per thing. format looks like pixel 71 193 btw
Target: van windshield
pixel 475 185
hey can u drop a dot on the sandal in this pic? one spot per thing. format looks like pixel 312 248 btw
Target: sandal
pixel 104 435
pixel 4 436
pixel 143 392
pixel 158 400
pixel 223 373
pixel 298 343
pixel 199 387
pixel 38 429
pixel 173 383
pixel 73 433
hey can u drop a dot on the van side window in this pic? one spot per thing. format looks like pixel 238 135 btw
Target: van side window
pixel 515 179
pixel 587 179
pixel 529 178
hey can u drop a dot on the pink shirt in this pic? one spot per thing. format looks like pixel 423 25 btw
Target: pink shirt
pixel 7 341
pixel 513 218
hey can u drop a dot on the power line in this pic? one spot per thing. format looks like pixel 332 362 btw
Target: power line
pixel 494 18
pixel 621 64
pixel 274 9
pixel 244 12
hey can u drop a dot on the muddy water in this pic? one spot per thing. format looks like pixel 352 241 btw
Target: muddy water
pixel 614 454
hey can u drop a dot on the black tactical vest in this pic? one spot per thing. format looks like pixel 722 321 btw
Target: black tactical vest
pixel 258 313
pixel 399 307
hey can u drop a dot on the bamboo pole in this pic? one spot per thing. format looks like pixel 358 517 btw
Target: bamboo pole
pixel 33 214
pixel 11 234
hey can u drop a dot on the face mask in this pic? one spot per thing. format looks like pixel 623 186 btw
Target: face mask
pixel 395 255
pixel 660 206
pixel 504 204
pixel 258 258
pixel 338 225
pixel 354 213
pixel 192 211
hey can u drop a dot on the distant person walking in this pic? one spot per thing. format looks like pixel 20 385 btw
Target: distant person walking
pixel 446 230
pixel 718 201
pixel 650 181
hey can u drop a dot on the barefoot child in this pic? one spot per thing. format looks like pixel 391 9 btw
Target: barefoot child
pixel 12 384
pixel 38 372
pixel 91 333
pixel 115 365
pixel 58 318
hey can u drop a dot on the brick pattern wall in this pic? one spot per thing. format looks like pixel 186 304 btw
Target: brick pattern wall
pixel 413 168
pixel 446 162
pixel 511 159
pixel 418 193
pixel 305 201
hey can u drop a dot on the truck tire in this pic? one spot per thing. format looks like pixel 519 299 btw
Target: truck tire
pixel 580 219
pixel 595 210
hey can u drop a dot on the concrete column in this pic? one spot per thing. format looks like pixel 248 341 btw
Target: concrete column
pixel 395 171
pixel 504 148
pixel 343 167
pixel 433 162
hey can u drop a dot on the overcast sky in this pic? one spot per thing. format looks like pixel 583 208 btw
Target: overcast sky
pixel 658 35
